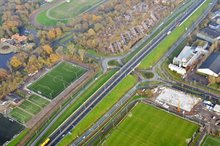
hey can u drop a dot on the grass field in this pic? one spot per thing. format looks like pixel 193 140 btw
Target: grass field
pixel 38 100
pixel 30 107
pixel 55 81
pixel 147 125
pixel 165 45
pixel 20 115
pixel 211 141
pixel 64 11
pixel 101 108
pixel 44 20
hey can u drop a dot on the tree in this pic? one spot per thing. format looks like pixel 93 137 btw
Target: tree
pixel 58 32
pixel 91 32
pixel 3 74
pixel 15 62
pixel 47 49
pixel 54 58
pixel 98 26
pixel 81 54
pixel 52 34
pixel 71 49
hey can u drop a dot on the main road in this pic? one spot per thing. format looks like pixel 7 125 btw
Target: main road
pixel 76 117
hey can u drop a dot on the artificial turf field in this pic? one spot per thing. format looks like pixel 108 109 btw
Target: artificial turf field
pixel 64 11
pixel 30 107
pixel 211 141
pixel 20 115
pixel 38 100
pixel 146 125
pixel 55 81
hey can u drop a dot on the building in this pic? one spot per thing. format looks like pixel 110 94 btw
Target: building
pixel 211 66
pixel 214 25
pixel 177 69
pixel 218 20
pixel 209 34
pixel 217 109
pixel 187 57
pixel 216 14
pixel 19 38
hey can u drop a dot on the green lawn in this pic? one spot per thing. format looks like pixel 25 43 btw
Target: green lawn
pixel 17 139
pixel 20 115
pixel 165 45
pixel 148 126
pixel 58 79
pixel 211 141
pixel 64 11
pixel 44 20
pixel 94 87
pixel 30 107
pixel 101 108
pixel 38 100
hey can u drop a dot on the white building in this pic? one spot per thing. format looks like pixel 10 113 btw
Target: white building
pixel 177 69
pixel 216 109
pixel 187 57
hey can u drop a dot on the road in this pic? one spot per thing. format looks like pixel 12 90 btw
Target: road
pixel 122 73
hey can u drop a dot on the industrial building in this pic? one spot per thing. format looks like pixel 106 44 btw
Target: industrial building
pixel 211 66
pixel 209 34
pixel 187 57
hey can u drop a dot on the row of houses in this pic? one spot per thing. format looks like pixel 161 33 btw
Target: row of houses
pixel 192 56
pixel 131 34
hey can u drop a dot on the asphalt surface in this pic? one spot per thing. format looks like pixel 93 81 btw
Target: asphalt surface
pixel 76 117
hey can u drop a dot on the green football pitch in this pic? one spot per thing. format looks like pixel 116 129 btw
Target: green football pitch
pixel 30 107
pixel 64 11
pixel 20 115
pixel 211 141
pixel 55 81
pixel 38 100
pixel 148 126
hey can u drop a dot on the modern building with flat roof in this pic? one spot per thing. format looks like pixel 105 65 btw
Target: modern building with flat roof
pixel 187 58
pixel 209 34
pixel 211 66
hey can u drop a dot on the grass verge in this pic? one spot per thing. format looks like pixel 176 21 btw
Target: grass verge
pixel 107 102
pixel 16 140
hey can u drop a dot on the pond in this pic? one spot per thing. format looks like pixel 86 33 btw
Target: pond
pixel 4 58
pixel 8 129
